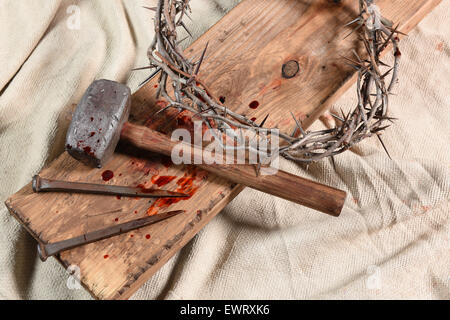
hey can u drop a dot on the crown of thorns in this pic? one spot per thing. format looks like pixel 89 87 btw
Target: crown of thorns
pixel 374 86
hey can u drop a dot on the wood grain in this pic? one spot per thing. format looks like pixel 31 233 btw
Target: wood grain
pixel 247 49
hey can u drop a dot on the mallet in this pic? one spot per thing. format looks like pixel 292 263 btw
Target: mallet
pixel 99 122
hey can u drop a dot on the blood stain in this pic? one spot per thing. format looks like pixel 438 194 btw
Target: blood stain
pixel 185 185
pixel 105 256
pixel 147 236
pixel 254 104
pixel 92 134
pixel 107 175
pixel 118 197
pixel 135 211
pixel 131 236
pixel 92 118
pixel 87 150
pixel 253 119
pixel 116 219
pixel 162 180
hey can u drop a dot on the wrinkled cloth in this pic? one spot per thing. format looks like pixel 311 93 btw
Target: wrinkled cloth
pixel 391 240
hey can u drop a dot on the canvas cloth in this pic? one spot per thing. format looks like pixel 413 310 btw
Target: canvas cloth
pixel 391 241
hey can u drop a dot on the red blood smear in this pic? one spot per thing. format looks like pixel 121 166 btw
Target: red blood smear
pixel 253 119
pixel 92 119
pixel 107 175
pixel 155 86
pixel 120 174
pixel 116 219
pixel 185 185
pixel 106 256
pixel 147 236
pixel 254 104
pixel 91 134
pixel 135 211
pixel 118 197
pixel 397 53
pixel 144 189
pixel 87 150
pixel 131 236
pixel 163 180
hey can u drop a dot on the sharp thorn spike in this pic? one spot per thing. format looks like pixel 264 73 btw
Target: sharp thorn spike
pixel 262 123
pixel 201 59
pixel 384 147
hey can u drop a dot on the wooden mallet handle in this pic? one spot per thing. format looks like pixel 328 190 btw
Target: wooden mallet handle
pixel 281 184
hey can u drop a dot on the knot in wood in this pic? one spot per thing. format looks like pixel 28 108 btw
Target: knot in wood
pixel 290 69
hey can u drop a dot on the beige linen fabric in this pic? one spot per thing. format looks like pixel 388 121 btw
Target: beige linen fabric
pixel 391 241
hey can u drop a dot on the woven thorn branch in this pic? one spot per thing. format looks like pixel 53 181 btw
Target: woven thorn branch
pixel 370 117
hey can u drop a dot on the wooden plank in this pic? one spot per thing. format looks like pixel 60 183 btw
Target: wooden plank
pixel 246 51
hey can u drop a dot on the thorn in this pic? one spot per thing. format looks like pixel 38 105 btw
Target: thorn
pixel 396 31
pixel 356 29
pixel 201 59
pixel 384 64
pixel 343 115
pixel 262 123
pixel 143 68
pixel 258 169
pixel 384 147
pixel 357 68
pixel 150 77
pixel 150 8
pixel 185 28
pixel 180 41
pixel 384 75
pixel 161 110
pixel 336 117
pixel 352 22
pixel 356 55
pixel 298 124
pixel 333 163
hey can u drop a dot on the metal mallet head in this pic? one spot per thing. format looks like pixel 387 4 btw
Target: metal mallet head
pixel 98 119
